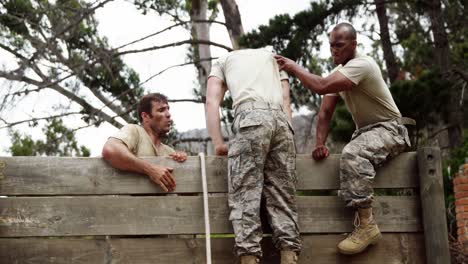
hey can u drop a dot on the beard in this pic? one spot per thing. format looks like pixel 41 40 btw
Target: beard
pixel 161 131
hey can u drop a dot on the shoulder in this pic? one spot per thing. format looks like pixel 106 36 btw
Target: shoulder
pixel 166 150
pixel 361 61
pixel 132 128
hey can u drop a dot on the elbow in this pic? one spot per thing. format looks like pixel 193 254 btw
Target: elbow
pixel 321 91
pixel 323 87
pixel 107 151
pixel 318 87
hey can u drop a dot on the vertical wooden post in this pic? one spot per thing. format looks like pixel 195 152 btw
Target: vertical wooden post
pixel 433 206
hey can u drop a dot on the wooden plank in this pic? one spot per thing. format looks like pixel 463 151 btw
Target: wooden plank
pixel 71 176
pixel 324 175
pixel 433 205
pixel 393 248
pixel 88 176
pixel 127 215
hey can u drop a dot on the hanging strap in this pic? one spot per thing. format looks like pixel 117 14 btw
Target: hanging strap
pixel 205 208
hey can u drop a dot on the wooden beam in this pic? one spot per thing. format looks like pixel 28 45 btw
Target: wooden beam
pixel 92 176
pixel 150 215
pixel 433 206
pixel 393 248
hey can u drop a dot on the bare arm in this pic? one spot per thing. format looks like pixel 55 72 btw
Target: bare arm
pixel 334 83
pixel 214 96
pixel 323 126
pixel 286 99
pixel 116 153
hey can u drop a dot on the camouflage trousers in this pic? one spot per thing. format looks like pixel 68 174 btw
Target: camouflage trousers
pixel 369 148
pixel 262 162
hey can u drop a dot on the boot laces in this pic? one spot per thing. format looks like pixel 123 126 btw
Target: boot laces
pixel 356 234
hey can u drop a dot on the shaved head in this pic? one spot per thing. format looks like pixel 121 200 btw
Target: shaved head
pixel 346 29
pixel 342 43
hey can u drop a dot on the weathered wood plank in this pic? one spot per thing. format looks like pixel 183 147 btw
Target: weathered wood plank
pixel 126 215
pixel 393 248
pixel 87 176
pixel 433 206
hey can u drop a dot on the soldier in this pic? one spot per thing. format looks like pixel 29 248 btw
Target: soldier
pixel 261 155
pixel 122 150
pixel 380 132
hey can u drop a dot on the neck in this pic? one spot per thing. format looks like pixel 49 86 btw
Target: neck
pixel 155 138
pixel 350 58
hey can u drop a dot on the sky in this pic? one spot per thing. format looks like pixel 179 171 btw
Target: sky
pixel 120 22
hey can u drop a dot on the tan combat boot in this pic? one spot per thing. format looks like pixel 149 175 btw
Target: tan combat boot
pixel 288 257
pixel 248 259
pixel 365 233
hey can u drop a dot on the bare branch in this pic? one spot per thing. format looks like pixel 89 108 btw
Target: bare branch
pixel 55 86
pixel 185 100
pixel 463 74
pixel 34 119
pixel 174 66
pixel 79 19
pixel 179 43
pixel 169 28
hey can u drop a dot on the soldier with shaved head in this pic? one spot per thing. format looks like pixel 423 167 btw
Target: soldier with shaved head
pixel 380 129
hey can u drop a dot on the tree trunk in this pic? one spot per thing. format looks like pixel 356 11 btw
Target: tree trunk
pixel 439 34
pixel 233 21
pixel 389 56
pixel 201 31
pixel 441 51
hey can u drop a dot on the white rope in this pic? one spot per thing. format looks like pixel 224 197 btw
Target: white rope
pixel 206 208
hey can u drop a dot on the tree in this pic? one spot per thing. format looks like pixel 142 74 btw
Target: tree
pixel 60 141
pixel 386 42
pixel 56 46
pixel 233 21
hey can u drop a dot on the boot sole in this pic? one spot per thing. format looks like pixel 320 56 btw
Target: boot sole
pixel 374 241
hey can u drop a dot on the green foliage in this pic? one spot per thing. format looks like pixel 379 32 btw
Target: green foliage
pixel 22 145
pixel 424 99
pixel 18 12
pixel 296 37
pixel 160 6
pixel 60 141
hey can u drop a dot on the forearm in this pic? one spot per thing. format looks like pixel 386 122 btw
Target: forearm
pixel 311 81
pixel 287 110
pixel 119 157
pixel 323 128
pixel 213 123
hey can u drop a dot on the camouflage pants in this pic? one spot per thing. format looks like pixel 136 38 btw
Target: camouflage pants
pixel 262 162
pixel 369 148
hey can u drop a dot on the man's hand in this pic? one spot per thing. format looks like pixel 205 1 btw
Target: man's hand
pixel 221 150
pixel 179 156
pixel 320 152
pixel 285 64
pixel 162 176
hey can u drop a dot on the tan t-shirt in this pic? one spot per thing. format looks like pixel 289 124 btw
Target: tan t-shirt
pixel 370 101
pixel 250 75
pixel 139 143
